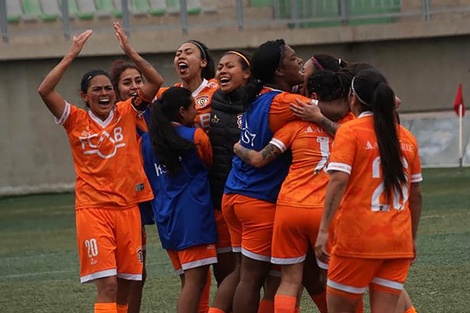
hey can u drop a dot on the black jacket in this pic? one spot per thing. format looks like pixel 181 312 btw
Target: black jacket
pixel 224 132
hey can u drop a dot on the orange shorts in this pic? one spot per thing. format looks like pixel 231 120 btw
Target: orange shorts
pixel 192 257
pixel 250 222
pixel 109 243
pixel 294 230
pixel 224 244
pixel 350 277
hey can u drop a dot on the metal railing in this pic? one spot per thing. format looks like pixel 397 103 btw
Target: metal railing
pixel 292 13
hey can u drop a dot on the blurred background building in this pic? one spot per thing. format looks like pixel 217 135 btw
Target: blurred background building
pixel 422 46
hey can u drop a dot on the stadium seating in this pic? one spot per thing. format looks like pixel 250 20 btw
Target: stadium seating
pixel 82 12
pixel 106 8
pixel 50 10
pixel 138 8
pixel 193 6
pixel 157 7
pixel 14 11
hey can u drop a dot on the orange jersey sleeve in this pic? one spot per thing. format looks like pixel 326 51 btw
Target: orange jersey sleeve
pixel 203 144
pixel 280 112
pixel 368 224
pixel 106 157
pixel 306 182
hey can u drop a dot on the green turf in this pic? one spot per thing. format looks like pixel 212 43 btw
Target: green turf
pixel 39 263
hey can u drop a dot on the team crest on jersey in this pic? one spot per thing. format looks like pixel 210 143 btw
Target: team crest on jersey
pixel 239 121
pixel 140 255
pixel 202 102
pixel 105 145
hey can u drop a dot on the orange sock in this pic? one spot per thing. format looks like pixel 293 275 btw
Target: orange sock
pixel 122 308
pixel 266 306
pixel 102 307
pixel 206 293
pixel 215 310
pixel 320 302
pixel 284 304
pixel 411 310
pixel 360 306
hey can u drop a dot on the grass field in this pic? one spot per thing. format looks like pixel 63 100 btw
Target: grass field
pixel 39 263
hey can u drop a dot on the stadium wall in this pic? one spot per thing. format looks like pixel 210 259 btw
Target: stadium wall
pixel 424 68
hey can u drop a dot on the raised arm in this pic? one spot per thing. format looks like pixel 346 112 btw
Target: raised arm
pixel 257 158
pixel 311 112
pixel 53 100
pixel 153 79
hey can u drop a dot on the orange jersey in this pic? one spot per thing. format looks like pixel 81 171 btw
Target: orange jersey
pixel 107 158
pixel 280 112
pixel 306 182
pixel 204 147
pixel 367 225
pixel 202 101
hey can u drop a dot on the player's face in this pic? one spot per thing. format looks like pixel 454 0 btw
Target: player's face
pixel 307 70
pixel 291 67
pixel 129 82
pixel 100 96
pixel 230 73
pixel 188 62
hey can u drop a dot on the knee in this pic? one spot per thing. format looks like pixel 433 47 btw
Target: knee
pixel 108 289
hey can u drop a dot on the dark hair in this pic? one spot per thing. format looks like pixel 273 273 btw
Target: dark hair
pixel 117 68
pixel 168 146
pixel 264 62
pixel 85 83
pixel 323 61
pixel 374 94
pixel 329 85
pixel 244 61
pixel 208 72
pixel 357 67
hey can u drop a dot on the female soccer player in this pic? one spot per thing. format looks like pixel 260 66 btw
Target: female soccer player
pixel 127 80
pixel 176 160
pixel 110 179
pixel 195 67
pixel 300 202
pixel 375 173
pixel 250 194
pixel 233 72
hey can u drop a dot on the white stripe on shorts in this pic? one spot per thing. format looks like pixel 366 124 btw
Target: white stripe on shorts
pixel 93 276
pixel 346 288
pixel 387 283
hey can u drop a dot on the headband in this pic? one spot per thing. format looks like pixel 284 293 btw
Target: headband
pixel 244 58
pixel 354 92
pixel 203 52
pixel 315 61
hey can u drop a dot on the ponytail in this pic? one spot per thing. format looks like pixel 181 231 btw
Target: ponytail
pixel 374 93
pixel 250 91
pixel 167 145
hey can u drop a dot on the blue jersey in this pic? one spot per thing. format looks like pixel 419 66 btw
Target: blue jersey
pixel 182 206
pixel 259 183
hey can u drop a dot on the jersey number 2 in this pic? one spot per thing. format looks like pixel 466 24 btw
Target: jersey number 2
pixel 378 192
